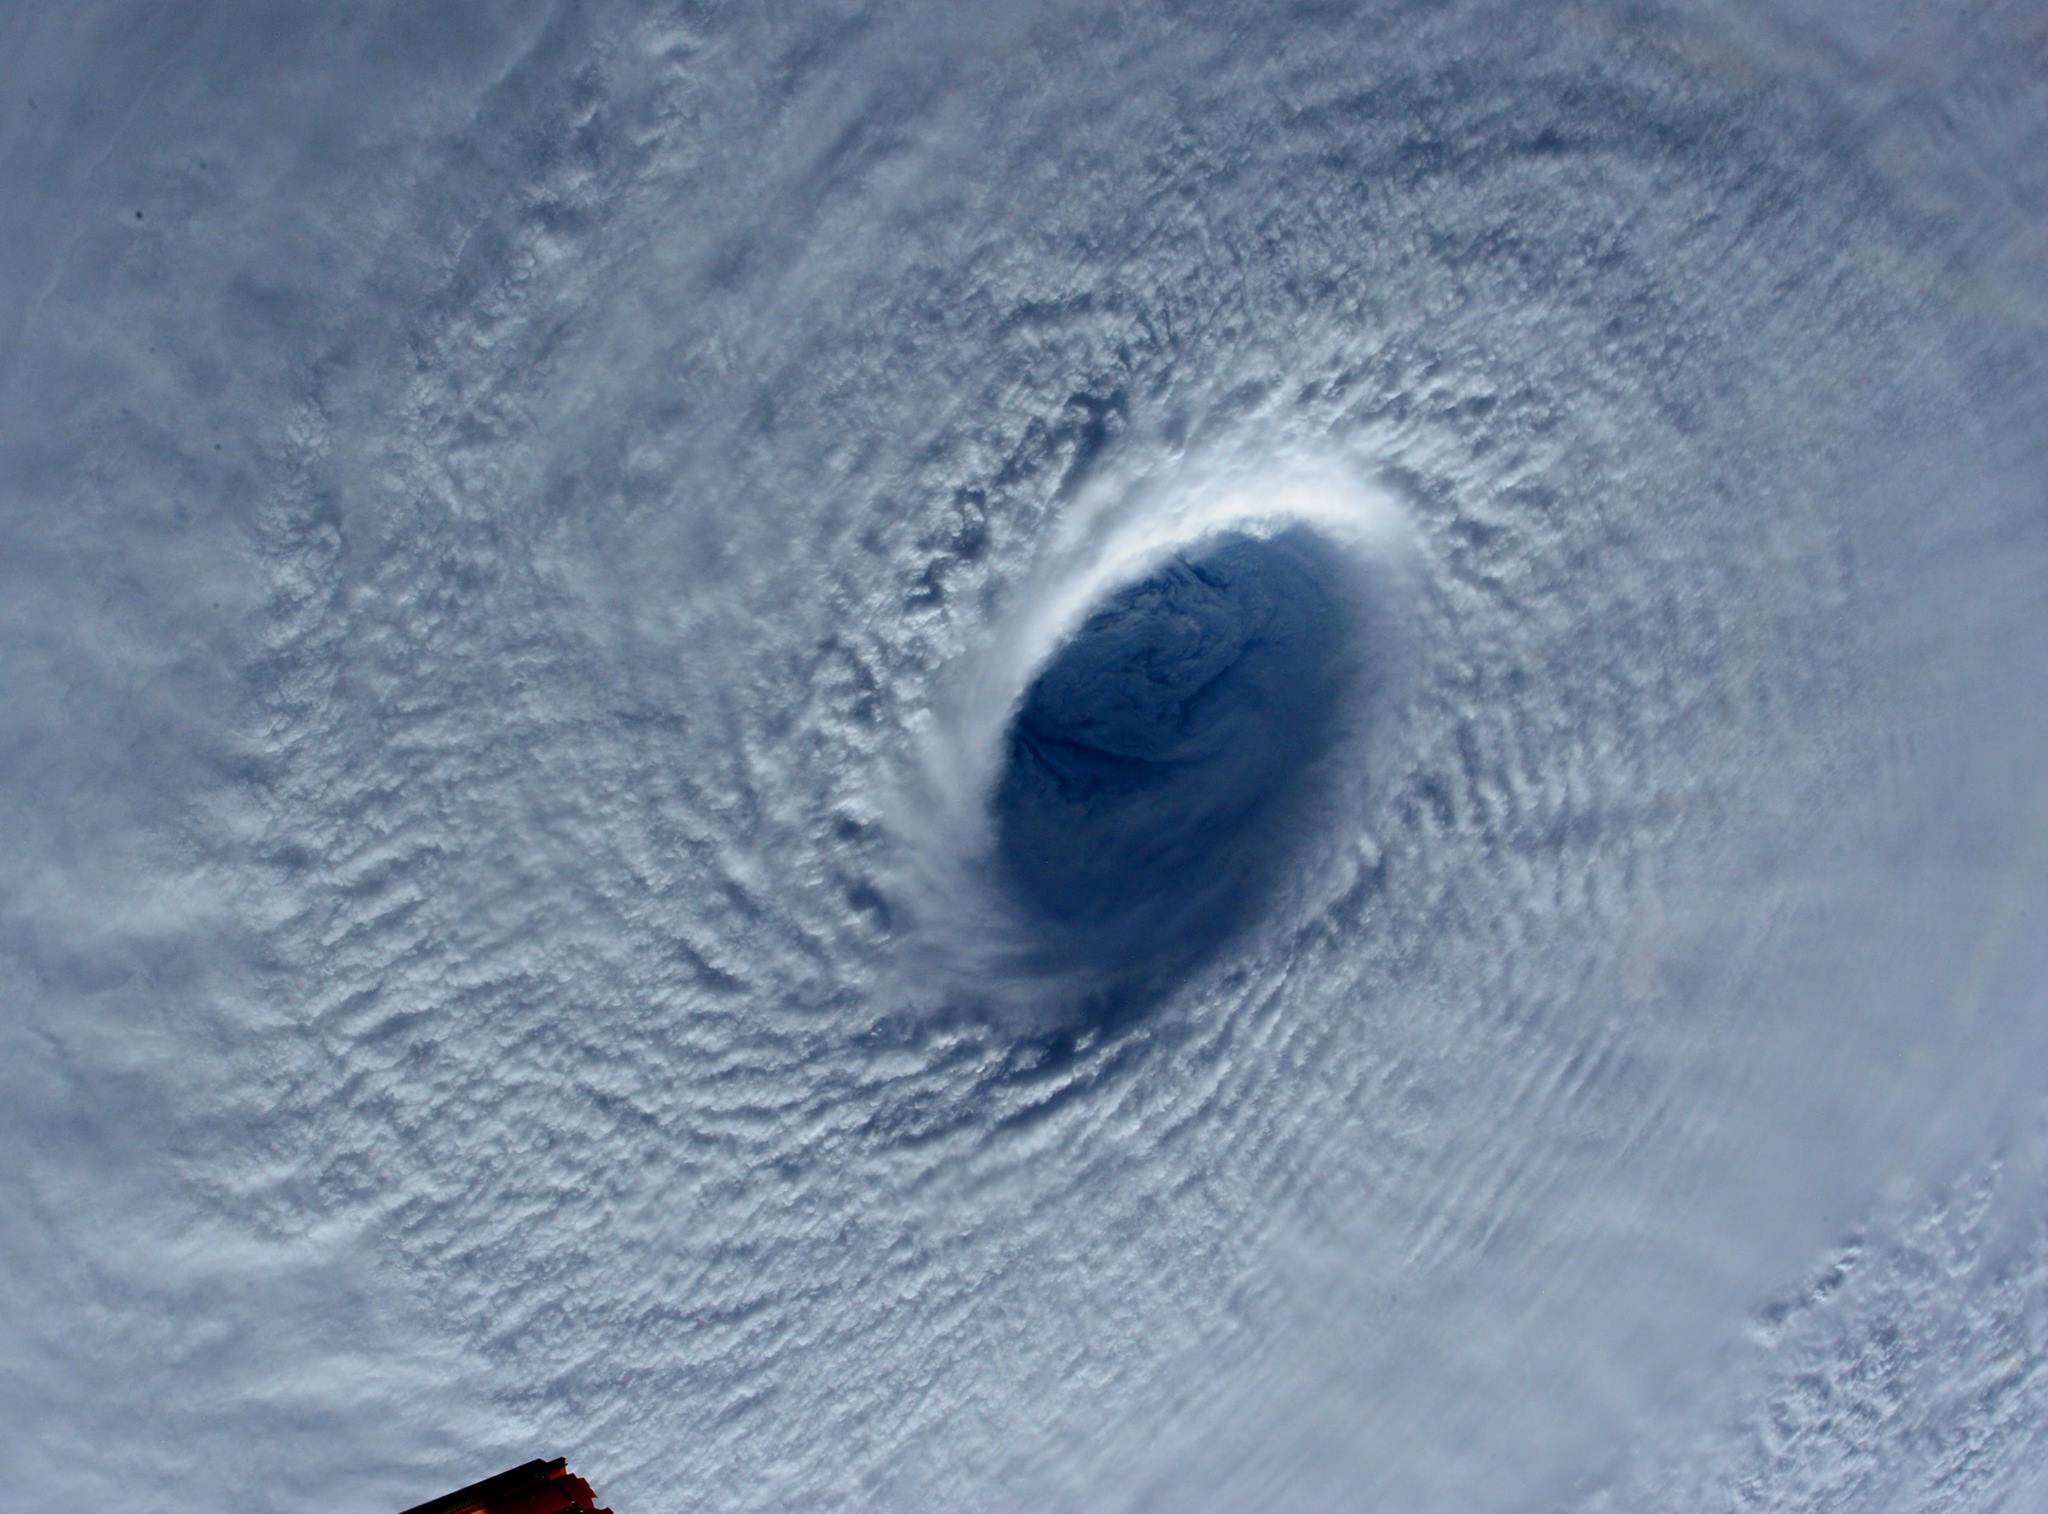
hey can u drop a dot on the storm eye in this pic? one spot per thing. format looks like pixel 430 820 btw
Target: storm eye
pixel 1152 762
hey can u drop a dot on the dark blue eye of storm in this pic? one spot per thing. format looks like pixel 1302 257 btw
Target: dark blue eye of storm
pixel 1153 756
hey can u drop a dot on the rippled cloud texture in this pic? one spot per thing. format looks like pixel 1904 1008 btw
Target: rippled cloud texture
pixel 525 534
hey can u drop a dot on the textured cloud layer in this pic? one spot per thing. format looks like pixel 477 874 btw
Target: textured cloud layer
pixel 521 546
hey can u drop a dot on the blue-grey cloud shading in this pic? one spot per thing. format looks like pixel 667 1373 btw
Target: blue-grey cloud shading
pixel 576 876
pixel 1167 722
pixel 1149 771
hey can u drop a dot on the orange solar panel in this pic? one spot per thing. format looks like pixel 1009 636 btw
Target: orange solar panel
pixel 539 1487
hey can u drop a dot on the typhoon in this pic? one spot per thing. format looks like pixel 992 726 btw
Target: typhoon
pixel 1028 756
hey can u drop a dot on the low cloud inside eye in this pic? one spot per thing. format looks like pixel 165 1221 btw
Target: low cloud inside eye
pixel 1154 767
